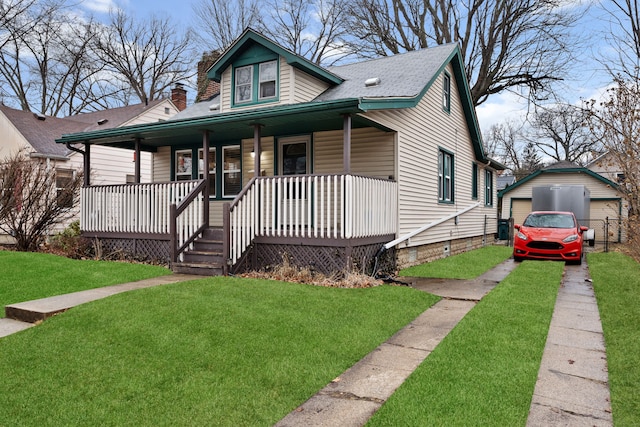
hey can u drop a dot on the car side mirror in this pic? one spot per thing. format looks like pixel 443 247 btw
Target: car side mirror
pixel 583 228
pixel 517 226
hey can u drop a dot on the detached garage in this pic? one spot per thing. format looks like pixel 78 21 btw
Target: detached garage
pixel 605 203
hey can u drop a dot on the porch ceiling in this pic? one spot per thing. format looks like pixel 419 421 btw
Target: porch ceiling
pixel 283 120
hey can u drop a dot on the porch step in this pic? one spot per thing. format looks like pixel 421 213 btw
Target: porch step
pixel 205 259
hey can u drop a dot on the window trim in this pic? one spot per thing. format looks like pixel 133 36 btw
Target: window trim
pixel 61 190
pixel 446 92
pixel 443 175
pixel 224 170
pixel 256 82
pixel 186 173
pixel 212 172
pixel 474 181
pixel 488 188
pixel 283 142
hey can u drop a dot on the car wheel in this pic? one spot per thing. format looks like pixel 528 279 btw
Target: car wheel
pixel 517 258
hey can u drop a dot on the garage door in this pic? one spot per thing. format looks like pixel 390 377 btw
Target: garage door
pixel 520 209
pixel 600 210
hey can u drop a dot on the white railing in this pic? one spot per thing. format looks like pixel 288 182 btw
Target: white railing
pixel 314 206
pixel 137 208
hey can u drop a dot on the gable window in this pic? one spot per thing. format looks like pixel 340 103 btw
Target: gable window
pixel 256 83
pixel 474 180
pixel 445 176
pixel 488 184
pixel 446 92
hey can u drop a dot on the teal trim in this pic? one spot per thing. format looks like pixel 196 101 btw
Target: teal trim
pixel 474 181
pixel 585 171
pixel 255 84
pixel 446 173
pixel 488 190
pixel 249 39
pixel 446 92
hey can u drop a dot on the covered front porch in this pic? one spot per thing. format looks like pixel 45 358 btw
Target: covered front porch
pixel 327 221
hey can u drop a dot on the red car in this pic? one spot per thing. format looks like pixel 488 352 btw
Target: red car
pixel 549 235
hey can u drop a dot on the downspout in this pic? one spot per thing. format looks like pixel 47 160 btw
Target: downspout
pixel 86 161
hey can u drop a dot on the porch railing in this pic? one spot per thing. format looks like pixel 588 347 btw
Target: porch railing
pixel 312 206
pixel 138 208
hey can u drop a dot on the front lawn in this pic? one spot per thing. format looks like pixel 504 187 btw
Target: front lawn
pixel 616 280
pixel 484 372
pixel 467 265
pixel 216 351
pixel 27 276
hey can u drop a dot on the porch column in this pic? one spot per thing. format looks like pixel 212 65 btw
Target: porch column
pixel 137 161
pixel 256 149
pixel 205 174
pixel 87 164
pixel 346 157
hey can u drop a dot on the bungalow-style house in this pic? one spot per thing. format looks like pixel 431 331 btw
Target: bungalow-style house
pixel 606 202
pixel 37 133
pixel 326 167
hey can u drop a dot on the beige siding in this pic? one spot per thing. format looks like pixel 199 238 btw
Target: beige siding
pixel 155 114
pixel 111 166
pixel 266 158
pixel 294 86
pixel 372 152
pixel 421 131
pixel 162 165
pixel 12 140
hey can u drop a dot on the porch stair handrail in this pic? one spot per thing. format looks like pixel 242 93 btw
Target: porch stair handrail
pixel 188 220
pixel 409 235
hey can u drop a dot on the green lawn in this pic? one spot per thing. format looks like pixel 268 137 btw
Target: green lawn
pixel 216 351
pixel 616 280
pixel 484 372
pixel 27 276
pixel 467 265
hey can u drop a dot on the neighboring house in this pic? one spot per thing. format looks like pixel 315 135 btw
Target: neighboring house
pixel 605 202
pixel 321 166
pixel 36 133
pixel 607 166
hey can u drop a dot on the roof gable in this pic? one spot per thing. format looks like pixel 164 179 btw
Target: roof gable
pixel 557 170
pixel 254 45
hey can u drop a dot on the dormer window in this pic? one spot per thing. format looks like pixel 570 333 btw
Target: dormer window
pixel 256 83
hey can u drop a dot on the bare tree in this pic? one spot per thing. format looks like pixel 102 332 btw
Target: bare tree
pixel 33 199
pixel 505 141
pixel 506 45
pixel 624 37
pixel 561 133
pixel 221 21
pixel 145 56
pixel 616 122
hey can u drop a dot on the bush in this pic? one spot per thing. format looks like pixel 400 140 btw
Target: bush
pixel 70 243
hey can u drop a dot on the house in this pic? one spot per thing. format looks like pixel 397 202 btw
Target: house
pixel 606 165
pixel 37 134
pixel 327 167
pixel 606 204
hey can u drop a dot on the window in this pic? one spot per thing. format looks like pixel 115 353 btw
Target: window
pixel 256 83
pixel 445 176
pixel 211 163
pixel 64 194
pixel 243 84
pixel 183 167
pixel 231 172
pixel 294 158
pixel 474 180
pixel 446 92
pixel 488 185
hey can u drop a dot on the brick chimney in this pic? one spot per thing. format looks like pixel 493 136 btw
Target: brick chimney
pixel 207 88
pixel 179 96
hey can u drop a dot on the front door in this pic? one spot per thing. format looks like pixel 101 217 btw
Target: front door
pixel 294 159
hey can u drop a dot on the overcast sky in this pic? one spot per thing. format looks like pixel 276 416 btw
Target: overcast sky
pixel 587 80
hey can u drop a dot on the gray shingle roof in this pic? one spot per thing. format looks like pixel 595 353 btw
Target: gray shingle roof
pixel 402 75
pixel 200 109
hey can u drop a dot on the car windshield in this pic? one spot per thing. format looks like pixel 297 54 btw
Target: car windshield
pixel 550 221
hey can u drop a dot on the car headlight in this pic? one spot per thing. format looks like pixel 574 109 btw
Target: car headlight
pixel 521 235
pixel 571 238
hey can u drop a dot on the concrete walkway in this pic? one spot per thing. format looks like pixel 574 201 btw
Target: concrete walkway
pixel 572 387
pixel 23 315
pixel 353 397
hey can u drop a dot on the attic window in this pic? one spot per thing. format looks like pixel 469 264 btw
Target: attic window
pixel 102 121
pixel 374 81
pixel 256 83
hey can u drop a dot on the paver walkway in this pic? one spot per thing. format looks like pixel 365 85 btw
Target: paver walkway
pixel 572 387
